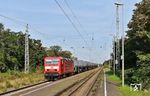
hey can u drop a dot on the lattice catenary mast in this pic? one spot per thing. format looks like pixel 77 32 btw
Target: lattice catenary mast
pixel 26 51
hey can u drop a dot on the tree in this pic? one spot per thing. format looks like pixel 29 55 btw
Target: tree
pixel 57 51
pixel 12 49
pixel 1 27
pixel 137 46
pixel 66 54
pixel 141 18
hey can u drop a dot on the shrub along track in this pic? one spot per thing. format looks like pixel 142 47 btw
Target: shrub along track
pixel 82 87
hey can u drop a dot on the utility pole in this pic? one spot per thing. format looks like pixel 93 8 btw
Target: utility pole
pixel 110 62
pixel 117 35
pixel 117 45
pixel 26 51
pixel 114 54
pixel 122 57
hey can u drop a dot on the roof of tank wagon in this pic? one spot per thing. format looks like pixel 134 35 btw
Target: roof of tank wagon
pixel 79 63
pixel 82 63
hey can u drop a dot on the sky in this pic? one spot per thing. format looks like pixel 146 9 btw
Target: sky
pixel 93 40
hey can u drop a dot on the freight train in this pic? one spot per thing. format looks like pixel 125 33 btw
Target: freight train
pixel 59 67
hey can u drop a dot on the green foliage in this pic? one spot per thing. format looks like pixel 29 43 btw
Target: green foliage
pixel 141 18
pixel 112 77
pixel 1 27
pixel 106 63
pixel 66 54
pixel 57 51
pixel 134 46
pixel 127 92
pixel 137 46
pixel 12 50
pixel 16 79
pixel 138 34
pixel 144 59
pixel 126 89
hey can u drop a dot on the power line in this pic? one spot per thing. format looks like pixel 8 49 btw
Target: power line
pixel 23 23
pixel 74 15
pixel 74 26
pixel 14 20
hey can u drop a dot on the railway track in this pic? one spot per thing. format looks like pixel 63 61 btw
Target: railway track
pixel 82 87
pixel 24 89
pixel 43 87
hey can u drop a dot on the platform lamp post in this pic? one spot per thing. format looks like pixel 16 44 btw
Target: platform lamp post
pixel 122 46
pixel 122 57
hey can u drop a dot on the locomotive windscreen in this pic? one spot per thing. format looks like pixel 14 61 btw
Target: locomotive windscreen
pixel 53 61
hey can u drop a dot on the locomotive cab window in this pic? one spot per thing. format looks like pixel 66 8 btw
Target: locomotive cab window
pixel 54 61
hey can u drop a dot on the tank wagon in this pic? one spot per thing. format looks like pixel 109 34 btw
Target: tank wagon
pixel 81 66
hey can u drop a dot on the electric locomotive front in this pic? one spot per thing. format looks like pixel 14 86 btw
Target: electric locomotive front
pixel 52 67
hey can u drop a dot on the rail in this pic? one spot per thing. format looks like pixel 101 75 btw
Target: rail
pixel 75 86
pixel 25 87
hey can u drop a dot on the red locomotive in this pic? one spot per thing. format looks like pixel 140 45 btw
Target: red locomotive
pixel 57 67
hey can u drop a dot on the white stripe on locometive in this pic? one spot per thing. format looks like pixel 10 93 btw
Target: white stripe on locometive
pixel 51 67
pixel 105 89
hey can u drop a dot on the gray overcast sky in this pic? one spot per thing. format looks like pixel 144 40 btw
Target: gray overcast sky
pixel 49 24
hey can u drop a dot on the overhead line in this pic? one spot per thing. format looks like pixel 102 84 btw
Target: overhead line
pixel 74 15
pixel 74 26
pixel 22 23
pixel 15 20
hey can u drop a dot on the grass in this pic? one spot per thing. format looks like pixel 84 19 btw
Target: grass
pixel 127 92
pixel 113 77
pixel 13 80
pixel 126 89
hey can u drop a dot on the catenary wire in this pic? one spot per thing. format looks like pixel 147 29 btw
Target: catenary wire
pixel 74 15
pixel 69 19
